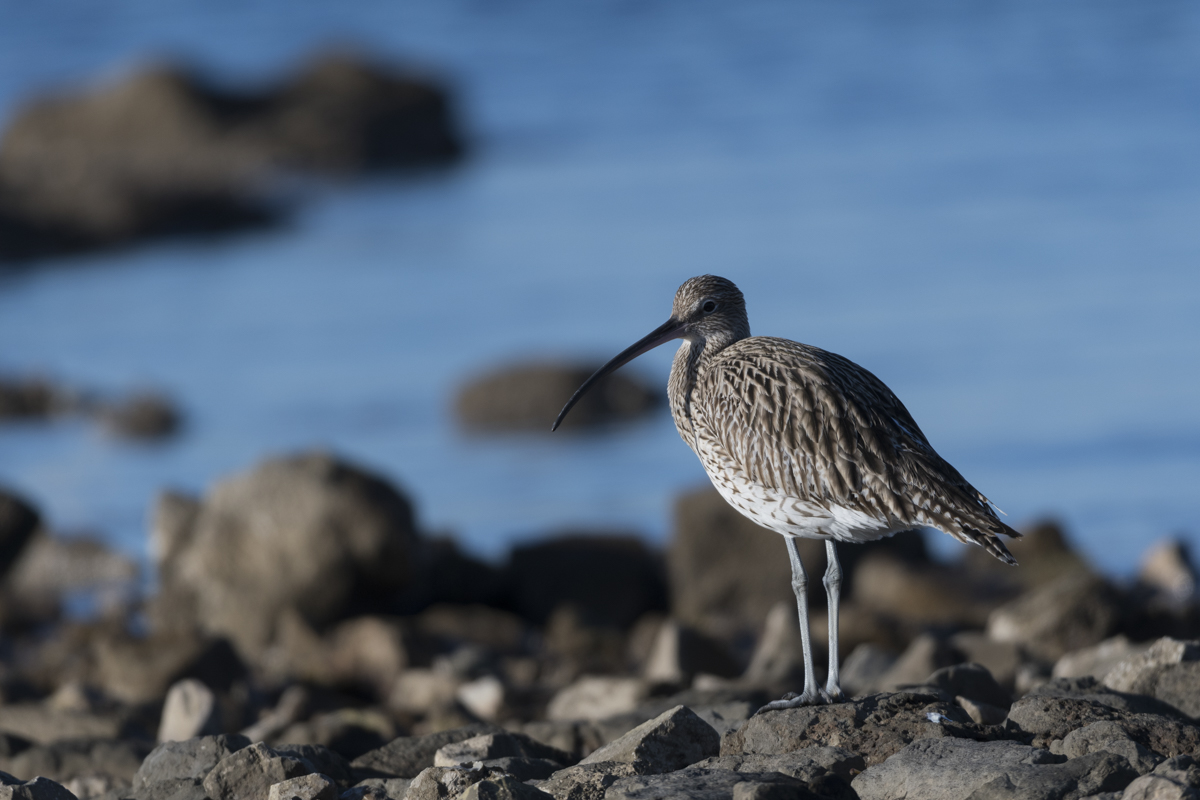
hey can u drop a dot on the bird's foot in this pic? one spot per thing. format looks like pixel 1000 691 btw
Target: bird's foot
pixel 815 697
pixel 834 693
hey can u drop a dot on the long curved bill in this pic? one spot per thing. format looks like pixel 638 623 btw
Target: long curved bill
pixel 671 329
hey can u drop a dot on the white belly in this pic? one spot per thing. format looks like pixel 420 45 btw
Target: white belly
pixel 792 516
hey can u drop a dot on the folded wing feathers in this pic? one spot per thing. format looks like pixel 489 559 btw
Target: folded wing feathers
pixel 808 422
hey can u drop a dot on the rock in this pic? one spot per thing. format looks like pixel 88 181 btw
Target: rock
pixel 190 710
pixel 778 659
pixel 368 651
pixel 921 593
pixel 609 580
pixel 307 533
pixel 378 789
pixel 924 656
pixel 1087 776
pixel 18 522
pixel 421 690
pixel 503 787
pixel 451 577
pixel 45 725
pixel 142 669
pixel 1169 671
pixel 11 746
pixel 703 784
pixel 349 732
pixel 407 756
pixel 863 671
pixel 306 787
pixel 723 565
pixel 670 741
pixel 1091 690
pixel 525 769
pixel 972 681
pixel 1076 611
pixel 248 773
pixel 585 781
pixel 493 629
pixel 64 761
pixel 579 648
pixel 528 396
pixel 679 653
pixel 483 697
pixel 191 759
pixel 30 397
pixel 491 746
pixel 53 566
pixel 826 771
pixel 982 713
pixel 1175 779
pixel 597 697
pixel 435 783
pixel 577 737
pixel 166 151
pixel 1156 787
pixel 319 759
pixel 1167 569
pixel 292 705
pixel 36 789
pixel 1097 660
pixel 944 769
pixel 875 726
pixel 1109 737
pixel 363 654
pixel 1002 659
pixel 86 787
pixel 1049 718
pixel 143 415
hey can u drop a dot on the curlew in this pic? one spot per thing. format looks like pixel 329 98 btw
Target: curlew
pixel 805 443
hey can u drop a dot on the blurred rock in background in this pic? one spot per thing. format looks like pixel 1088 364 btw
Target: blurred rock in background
pixel 166 151
pixel 528 397
pixel 144 414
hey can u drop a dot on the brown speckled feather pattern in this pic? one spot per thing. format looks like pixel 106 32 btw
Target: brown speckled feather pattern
pixel 808 443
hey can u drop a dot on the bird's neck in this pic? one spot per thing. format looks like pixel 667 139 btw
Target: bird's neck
pixel 691 359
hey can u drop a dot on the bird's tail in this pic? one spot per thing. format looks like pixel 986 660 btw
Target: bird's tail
pixel 990 541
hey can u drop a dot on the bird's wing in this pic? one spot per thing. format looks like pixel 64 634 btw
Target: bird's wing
pixel 818 427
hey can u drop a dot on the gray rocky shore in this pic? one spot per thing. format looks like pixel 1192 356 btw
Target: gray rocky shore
pixel 307 639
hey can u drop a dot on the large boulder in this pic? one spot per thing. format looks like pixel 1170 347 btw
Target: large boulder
pixel 307 534
pixel 408 756
pixel 607 580
pixel 165 151
pixel 1168 670
pixel 528 396
pixel 672 740
pixel 1051 620
pixel 876 727
pixel 955 769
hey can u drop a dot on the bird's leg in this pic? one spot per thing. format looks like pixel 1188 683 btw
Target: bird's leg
pixel 811 694
pixel 833 593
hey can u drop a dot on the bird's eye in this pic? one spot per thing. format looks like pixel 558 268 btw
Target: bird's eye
pixel 709 306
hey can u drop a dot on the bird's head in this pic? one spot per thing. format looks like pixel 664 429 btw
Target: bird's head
pixel 707 309
pixel 712 309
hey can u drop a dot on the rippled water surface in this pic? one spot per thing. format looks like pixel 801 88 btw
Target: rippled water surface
pixel 994 208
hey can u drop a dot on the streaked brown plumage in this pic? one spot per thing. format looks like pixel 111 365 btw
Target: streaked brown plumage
pixel 805 443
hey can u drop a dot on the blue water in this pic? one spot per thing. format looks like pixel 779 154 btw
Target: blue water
pixel 995 208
